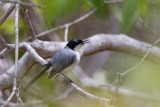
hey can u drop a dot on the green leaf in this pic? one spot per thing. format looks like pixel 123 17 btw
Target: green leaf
pixel 128 14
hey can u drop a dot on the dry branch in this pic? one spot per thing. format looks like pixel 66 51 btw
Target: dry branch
pixel 67 24
pixel 21 2
pixel 30 24
pixel 2 53
pixel 7 13
pixel 83 93
pixel 102 42
pixel 16 55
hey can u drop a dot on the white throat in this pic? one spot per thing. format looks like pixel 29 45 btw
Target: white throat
pixel 79 49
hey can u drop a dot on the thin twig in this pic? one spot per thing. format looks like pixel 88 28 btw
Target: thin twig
pixel 7 13
pixel 82 17
pixel 16 46
pixel 30 24
pixel 5 69
pixel 89 82
pixel 144 57
pixel 2 102
pixel 112 1
pixel 19 99
pixel 141 20
pixel 2 53
pixel 139 63
pixel 21 2
pixel 16 55
pixel 9 98
pixel 69 24
pixel 3 40
pixel 113 99
pixel 66 33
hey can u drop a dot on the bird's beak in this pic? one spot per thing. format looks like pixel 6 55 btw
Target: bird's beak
pixel 85 41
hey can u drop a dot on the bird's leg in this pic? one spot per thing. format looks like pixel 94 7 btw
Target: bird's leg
pixel 63 78
pixel 57 75
pixel 67 80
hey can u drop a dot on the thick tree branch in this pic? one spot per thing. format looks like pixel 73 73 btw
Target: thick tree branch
pixel 102 42
pixel 122 43
pixel 6 79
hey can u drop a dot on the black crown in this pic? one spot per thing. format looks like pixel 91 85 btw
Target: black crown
pixel 73 43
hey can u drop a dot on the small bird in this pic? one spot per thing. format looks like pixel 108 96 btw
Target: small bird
pixel 63 61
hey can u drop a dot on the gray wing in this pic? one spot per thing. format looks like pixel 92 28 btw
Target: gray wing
pixel 62 60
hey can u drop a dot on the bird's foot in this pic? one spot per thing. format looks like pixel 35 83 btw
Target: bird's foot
pixel 67 81
pixel 63 78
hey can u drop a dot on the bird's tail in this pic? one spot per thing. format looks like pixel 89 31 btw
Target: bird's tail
pixel 36 78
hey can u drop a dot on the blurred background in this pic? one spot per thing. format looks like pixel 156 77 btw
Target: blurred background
pixel 139 19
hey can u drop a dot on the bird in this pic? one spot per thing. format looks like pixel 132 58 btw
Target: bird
pixel 63 61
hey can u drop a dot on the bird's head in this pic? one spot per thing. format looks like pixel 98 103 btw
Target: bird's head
pixel 76 44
